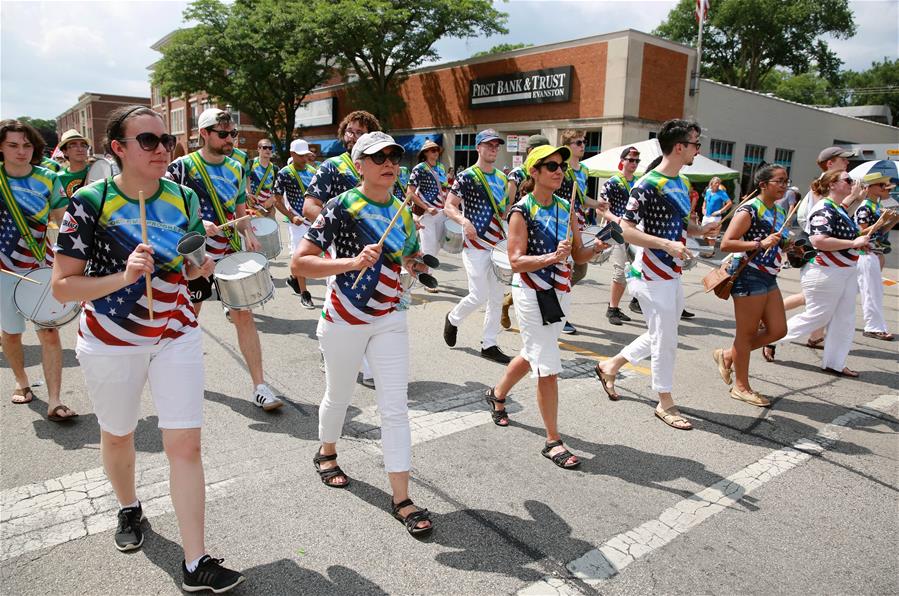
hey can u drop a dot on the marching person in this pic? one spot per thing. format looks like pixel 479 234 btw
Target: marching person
pixel 260 180
pixel 103 263
pixel 477 202
pixel 77 151
pixel 870 264
pixel 577 173
pixel 753 233
pixel 220 202
pixel 830 282
pixel 30 198
pixel 660 204
pixel 541 242
pixel 363 320
pixel 290 192
pixel 616 191
pixel 427 187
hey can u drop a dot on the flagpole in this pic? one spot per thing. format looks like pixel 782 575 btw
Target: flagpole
pixel 700 16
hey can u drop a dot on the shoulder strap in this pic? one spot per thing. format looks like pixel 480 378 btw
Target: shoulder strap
pixel 296 176
pixel 483 180
pixel 19 219
pixel 216 203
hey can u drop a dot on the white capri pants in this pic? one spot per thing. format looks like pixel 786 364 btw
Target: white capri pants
pixel 115 383
pixel 618 259
pixel 296 233
pixel 483 288
pixel 385 343
pixel 432 232
pixel 870 285
pixel 829 301
pixel 661 303
pixel 541 342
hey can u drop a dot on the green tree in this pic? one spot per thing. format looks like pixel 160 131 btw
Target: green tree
pixel 47 128
pixel 500 48
pixel 877 85
pixel 807 87
pixel 260 56
pixel 379 41
pixel 744 40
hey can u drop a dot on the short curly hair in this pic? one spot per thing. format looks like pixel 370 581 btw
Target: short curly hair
pixel 362 117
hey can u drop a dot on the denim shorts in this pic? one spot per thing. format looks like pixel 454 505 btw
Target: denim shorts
pixel 752 282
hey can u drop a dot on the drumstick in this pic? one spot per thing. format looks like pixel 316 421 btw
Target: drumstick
pixel 383 237
pixel 28 279
pixel 784 225
pixel 234 221
pixel 143 233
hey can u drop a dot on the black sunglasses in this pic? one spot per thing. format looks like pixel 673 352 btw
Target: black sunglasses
pixel 266 147
pixel 698 145
pixel 579 142
pixel 380 157
pixel 847 180
pixel 632 159
pixel 149 142
pixel 552 166
pixel 224 134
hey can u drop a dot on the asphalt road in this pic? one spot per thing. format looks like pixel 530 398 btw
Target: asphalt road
pixel 798 499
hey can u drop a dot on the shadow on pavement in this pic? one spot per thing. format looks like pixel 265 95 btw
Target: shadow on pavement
pixel 33 355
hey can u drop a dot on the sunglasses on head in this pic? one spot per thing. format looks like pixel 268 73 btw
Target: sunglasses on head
pixel 552 166
pixel 265 147
pixel 149 142
pixel 224 134
pixel 380 157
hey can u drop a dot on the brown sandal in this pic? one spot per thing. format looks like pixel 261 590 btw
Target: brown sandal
pixel 672 417
pixel 53 416
pixel 25 396
pixel 608 383
pixel 815 344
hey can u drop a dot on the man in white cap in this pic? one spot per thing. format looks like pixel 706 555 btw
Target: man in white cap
pixel 477 202
pixel 220 202
pixel 290 194
pixel 76 150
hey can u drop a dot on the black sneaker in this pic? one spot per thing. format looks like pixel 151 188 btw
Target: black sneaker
pixel 306 300
pixel 569 328
pixel 616 317
pixel 294 285
pixel 128 535
pixel 209 575
pixel 634 306
pixel 449 332
pixel 686 314
pixel 495 354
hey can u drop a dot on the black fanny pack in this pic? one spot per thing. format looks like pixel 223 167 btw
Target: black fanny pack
pixel 550 309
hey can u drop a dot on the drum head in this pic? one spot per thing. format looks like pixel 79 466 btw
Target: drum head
pixel 500 255
pixel 240 265
pixel 99 170
pixel 452 226
pixel 588 235
pixel 37 304
pixel 263 226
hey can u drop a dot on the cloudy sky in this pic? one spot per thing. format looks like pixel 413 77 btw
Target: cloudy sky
pixel 52 52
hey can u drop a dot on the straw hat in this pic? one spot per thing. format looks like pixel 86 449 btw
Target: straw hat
pixel 429 144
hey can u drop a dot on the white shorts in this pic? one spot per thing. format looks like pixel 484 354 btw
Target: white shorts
pixel 297 233
pixel 541 342
pixel 115 383
pixel 709 219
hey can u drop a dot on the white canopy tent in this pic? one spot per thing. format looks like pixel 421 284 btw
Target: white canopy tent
pixel 605 164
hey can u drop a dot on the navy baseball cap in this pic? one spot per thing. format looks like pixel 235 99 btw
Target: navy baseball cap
pixel 488 135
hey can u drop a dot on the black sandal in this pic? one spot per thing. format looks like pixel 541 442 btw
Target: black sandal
pixel 498 415
pixel 561 457
pixel 412 520
pixel 768 352
pixel 330 473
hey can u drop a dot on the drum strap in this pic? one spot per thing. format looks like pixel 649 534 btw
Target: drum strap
pixel 577 185
pixel 483 180
pixel 296 176
pixel 345 158
pixel 19 219
pixel 229 233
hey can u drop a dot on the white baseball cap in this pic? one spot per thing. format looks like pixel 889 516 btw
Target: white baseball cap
pixel 209 118
pixel 372 142
pixel 300 147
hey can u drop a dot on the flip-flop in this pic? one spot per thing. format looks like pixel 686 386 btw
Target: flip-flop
pixel 54 417
pixel 851 374
pixel 606 381
pixel 672 418
pixel 815 344
pixel 25 395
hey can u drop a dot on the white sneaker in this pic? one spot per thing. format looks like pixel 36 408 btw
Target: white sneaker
pixel 265 399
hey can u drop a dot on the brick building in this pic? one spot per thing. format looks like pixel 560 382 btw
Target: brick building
pixel 89 115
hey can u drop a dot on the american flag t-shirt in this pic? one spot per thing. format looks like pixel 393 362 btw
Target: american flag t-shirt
pixel 547 226
pixel 617 191
pixel 580 176
pixel 429 183
pixel 478 208
pixel 763 223
pixel 867 214
pixel 334 177
pixel 294 192
pixel 829 219
pixel 36 195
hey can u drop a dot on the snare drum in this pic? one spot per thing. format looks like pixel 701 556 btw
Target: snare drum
pixel 243 281
pixel 588 239
pixel 453 237
pixel 101 169
pixel 37 304
pixel 268 232
pixel 499 259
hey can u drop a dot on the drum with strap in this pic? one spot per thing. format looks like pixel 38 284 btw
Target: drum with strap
pixel 242 280
pixel 499 260
pixel 453 237
pixel 268 232
pixel 36 303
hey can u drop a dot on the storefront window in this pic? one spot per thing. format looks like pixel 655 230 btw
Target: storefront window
pixel 722 152
pixel 752 159
pixel 466 155
pixel 784 157
pixel 593 141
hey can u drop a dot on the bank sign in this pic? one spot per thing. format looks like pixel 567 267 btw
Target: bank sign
pixel 535 86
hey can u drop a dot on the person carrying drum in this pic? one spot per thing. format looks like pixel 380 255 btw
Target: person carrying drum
pixel 30 198
pixel 540 244
pixel 77 150
pixel 660 201
pixel 220 202
pixel 427 186
pixel 123 344
pixel 477 202
pixel 616 191
pixel 290 192
pixel 260 180
pixel 360 315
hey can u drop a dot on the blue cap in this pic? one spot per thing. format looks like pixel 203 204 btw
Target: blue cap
pixel 488 135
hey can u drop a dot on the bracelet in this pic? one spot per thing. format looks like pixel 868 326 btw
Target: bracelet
pixel 758 245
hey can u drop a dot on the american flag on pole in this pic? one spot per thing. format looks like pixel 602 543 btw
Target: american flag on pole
pixel 702 10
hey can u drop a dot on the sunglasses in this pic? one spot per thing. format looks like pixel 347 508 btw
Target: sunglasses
pixel 579 142
pixel 847 180
pixel 224 134
pixel 632 159
pixel 354 133
pixel 552 166
pixel 149 142
pixel 380 157
pixel 266 147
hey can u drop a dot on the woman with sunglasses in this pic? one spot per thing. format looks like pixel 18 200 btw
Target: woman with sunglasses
pixel 361 319
pixel 541 242
pixel 427 189
pixel 870 264
pixel 753 232
pixel 122 345
pixel 830 282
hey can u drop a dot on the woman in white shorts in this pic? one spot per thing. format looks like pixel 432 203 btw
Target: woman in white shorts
pixel 539 251
pixel 122 344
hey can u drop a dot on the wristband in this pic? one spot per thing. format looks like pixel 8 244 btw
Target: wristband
pixel 758 245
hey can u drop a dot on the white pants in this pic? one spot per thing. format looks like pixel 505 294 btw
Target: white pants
pixel 386 345
pixel 432 232
pixel 297 233
pixel 540 342
pixel 870 285
pixel 483 287
pixel 829 301
pixel 661 303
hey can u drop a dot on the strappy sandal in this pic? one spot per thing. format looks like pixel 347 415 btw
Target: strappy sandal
pixel 329 473
pixel 768 352
pixel 608 383
pixel 561 458
pixel 500 417
pixel 815 344
pixel 673 418
pixel 24 395
pixel 412 520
